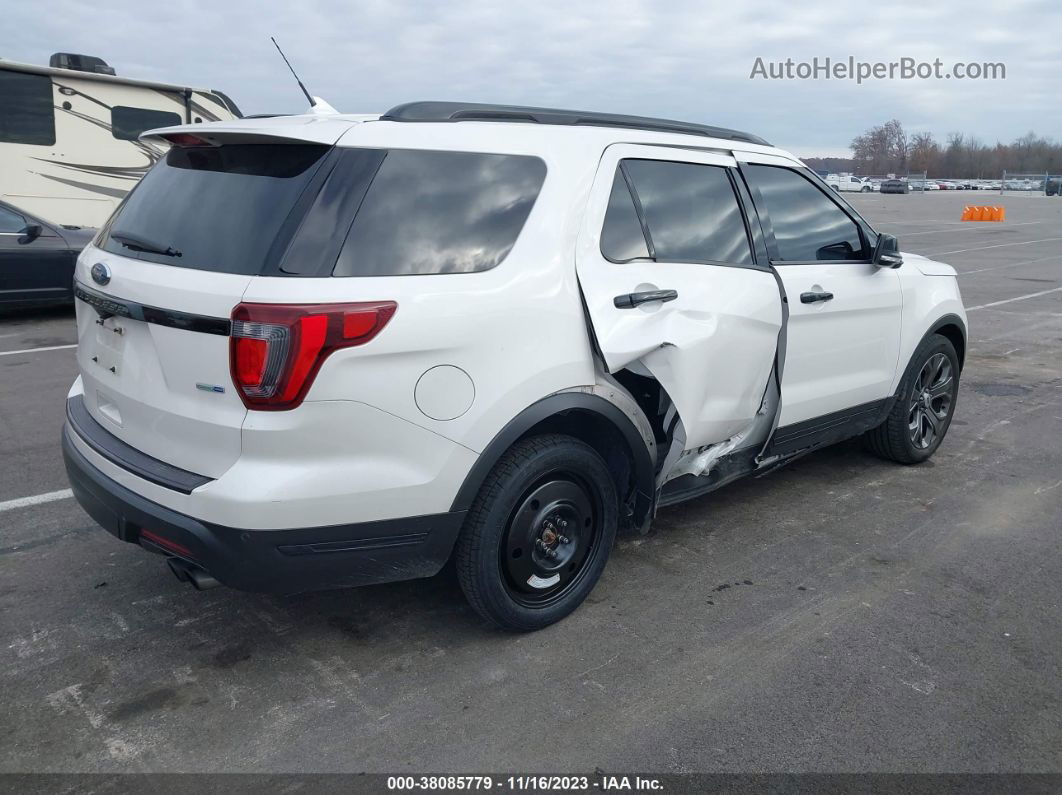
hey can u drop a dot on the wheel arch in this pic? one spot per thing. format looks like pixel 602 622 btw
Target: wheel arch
pixel 952 328
pixel 593 420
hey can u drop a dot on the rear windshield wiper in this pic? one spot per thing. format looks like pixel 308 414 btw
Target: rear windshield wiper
pixel 136 243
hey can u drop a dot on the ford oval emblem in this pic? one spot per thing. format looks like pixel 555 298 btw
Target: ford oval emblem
pixel 101 274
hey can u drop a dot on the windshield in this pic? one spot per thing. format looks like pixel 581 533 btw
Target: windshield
pixel 214 208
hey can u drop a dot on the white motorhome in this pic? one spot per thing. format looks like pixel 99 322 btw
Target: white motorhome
pixel 69 148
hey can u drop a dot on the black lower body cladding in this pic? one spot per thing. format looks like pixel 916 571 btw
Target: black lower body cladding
pixel 268 561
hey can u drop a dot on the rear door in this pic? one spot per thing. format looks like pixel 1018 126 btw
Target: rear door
pixel 843 332
pixel 156 296
pixel 671 284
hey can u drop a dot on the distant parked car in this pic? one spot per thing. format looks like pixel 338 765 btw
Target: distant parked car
pixel 848 183
pixel 895 186
pixel 1054 186
pixel 37 259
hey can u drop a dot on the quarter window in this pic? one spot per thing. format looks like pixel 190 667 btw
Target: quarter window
pixel 429 212
pixel 690 210
pixel 26 112
pixel 127 123
pixel 808 226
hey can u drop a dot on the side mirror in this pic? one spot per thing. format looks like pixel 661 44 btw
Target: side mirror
pixel 887 252
pixel 29 233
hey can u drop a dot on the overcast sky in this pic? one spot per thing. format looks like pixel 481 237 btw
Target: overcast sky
pixel 675 58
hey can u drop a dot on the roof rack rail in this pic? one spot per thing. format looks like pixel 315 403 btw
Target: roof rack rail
pixel 464 111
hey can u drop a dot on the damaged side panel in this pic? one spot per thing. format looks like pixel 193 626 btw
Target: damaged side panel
pixel 707 332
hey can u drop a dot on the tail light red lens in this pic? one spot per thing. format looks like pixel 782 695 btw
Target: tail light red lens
pixel 186 139
pixel 276 350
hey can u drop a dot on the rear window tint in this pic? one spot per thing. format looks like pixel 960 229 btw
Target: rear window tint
pixel 622 238
pixel 692 212
pixel 429 212
pixel 220 207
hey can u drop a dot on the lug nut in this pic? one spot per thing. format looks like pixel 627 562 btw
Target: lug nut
pixel 564 539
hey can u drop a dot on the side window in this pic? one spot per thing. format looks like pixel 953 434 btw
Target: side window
pixel 808 226
pixel 690 210
pixel 621 235
pixel 10 222
pixel 429 212
pixel 127 123
pixel 26 112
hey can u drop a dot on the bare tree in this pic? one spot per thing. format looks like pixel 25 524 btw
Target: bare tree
pixel 887 149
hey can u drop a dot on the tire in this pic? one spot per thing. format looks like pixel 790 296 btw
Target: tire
pixel 927 392
pixel 551 489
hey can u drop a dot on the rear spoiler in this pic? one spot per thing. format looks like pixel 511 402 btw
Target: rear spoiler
pixel 317 129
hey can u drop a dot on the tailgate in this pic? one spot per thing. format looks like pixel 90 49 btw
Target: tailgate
pixel 153 349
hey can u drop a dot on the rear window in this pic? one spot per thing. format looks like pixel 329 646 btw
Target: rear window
pixel 220 207
pixel 297 210
pixel 440 212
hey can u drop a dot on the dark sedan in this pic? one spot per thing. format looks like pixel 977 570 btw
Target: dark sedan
pixel 37 259
pixel 895 186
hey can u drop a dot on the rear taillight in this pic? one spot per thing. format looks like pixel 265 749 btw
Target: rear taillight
pixel 276 350
pixel 185 139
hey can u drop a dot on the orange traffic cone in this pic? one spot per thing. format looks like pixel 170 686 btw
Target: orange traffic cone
pixel 971 213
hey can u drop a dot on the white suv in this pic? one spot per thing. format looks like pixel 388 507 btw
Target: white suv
pixel 325 351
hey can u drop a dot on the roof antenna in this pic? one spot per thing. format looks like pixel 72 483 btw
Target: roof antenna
pixel 307 93
pixel 317 105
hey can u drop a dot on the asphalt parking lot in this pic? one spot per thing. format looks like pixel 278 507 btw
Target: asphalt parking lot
pixel 842 614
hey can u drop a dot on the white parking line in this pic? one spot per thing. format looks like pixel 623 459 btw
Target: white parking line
pixel 965 229
pixel 1010 265
pixel 35 350
pixel 998 245
pixel 1011 300
pixel 23 502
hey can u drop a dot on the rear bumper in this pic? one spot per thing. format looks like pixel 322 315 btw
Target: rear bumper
pixel 269 561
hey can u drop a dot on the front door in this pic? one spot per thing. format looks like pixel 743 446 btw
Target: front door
pixel 32 267
pixel 666 268
pixel 843 334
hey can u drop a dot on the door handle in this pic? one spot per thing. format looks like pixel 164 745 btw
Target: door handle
pixel 811 298
pixel 637 299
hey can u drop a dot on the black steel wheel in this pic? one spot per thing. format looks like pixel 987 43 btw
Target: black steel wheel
pixel 549 539
pixel 923 407
pixel 538 534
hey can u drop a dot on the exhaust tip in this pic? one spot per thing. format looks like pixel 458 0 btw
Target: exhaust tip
pixel 198 578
